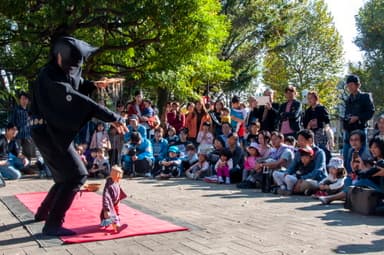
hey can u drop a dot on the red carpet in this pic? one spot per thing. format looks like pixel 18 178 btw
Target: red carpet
pixel 83 218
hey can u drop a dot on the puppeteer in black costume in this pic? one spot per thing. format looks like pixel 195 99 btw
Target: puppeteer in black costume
pixel 60 108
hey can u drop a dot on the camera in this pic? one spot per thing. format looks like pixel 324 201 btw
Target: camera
pixel 132 152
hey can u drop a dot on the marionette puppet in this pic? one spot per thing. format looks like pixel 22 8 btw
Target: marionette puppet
pixel 112 195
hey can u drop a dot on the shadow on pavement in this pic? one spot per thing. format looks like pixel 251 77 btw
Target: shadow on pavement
pixel 374 246
pixel 289 199
pixel 14 225
pixel 318 206
pixel 344 217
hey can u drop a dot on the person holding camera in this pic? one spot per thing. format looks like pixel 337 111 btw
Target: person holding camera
pixel 137 159
pixel 359 109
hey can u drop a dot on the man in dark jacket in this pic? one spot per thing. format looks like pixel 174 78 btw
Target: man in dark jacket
pixel 290 113
pixel 59 109
pixel 359 109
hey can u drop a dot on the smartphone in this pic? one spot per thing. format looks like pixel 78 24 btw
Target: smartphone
pixel 355 155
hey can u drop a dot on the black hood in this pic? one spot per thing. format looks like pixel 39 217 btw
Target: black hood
pixel 73 53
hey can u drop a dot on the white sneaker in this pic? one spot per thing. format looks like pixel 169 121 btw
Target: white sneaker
pixel 220 179
pixel 149 175
pixel 189 175
pixel 227 180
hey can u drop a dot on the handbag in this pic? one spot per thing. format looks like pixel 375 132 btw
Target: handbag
pixel 363 200
pixel 321 138
pixel 266 181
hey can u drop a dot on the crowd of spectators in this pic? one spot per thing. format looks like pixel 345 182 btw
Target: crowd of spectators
pixel 240 143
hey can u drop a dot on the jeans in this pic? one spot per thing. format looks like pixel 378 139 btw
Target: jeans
pixel 368 183
pixel 9 172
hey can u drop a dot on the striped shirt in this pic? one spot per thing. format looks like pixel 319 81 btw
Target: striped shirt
pixel 20 118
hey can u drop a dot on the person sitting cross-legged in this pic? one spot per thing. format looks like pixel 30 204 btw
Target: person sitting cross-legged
pixel 137 156
pixel 171 165
pixel 11 158
pixel 305 171
pixel 280 158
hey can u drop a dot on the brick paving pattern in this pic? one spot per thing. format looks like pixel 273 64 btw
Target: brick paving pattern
pixel 222 220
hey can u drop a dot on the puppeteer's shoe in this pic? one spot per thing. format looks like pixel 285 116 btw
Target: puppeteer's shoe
pixel 57 231
pixel 41 214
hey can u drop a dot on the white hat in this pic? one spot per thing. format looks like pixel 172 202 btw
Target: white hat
pixel 336 163
pixel 254 145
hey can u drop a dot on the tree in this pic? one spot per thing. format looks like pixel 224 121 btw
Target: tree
pixel 164 46
pixel 257 26
pixel 370 27
pixel 310 57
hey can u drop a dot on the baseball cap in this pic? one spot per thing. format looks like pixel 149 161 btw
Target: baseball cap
pixel 253 145
pixel 133 117
pixel 307 151
pixel 336 163
pixel 173 149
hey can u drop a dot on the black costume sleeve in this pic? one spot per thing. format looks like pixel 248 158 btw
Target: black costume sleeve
pixel 70 109
pixel 86 87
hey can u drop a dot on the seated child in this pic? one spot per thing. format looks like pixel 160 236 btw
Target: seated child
pixel 288 182
pixel 171 165
pixel 172 137
pixel 190 157
pixel 91 158
pixel 334 182
pixel 80 150
pixel 160 148
pixel 205 137
pixel 112 194
pixel 250 160
pixel 222 167
pixel 200 168
pixel 100 167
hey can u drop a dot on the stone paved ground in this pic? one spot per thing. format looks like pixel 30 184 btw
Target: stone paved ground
pixel 222 220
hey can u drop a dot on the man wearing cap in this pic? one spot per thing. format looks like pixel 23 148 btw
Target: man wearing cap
pixel 134 126
pixel 287 180
pixel 60 108
pixel 359 109
pixel 137 156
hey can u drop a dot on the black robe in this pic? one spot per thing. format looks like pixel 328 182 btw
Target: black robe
pixel 61 111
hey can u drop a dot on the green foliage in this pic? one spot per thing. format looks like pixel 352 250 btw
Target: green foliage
pixel 152 44
pixel 370 26
pixel 310 57
pixel 257 26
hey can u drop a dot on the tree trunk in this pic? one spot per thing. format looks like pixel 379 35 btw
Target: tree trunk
pixel 163 96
